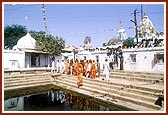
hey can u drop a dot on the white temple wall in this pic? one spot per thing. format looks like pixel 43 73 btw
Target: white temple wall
pixel 94 56
pixel 19 59
pixel 84 56
pixel 144 60
pixel 135 59
pixel 13 59
pixel 102 58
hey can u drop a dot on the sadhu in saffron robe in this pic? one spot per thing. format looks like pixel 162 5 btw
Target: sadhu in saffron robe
pixel 79 74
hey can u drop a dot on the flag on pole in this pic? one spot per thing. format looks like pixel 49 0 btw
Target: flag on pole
pixel 120 22
pixel 44 17
pixel 25 17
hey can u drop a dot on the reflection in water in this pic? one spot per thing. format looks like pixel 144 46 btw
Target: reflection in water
pixel 52 101
pixel 14 104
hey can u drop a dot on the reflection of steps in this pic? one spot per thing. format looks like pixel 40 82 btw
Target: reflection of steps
pixel 131 96
pixel 13 81
pixel 138 76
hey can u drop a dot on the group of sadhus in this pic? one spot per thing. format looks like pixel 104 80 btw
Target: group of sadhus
pixel 87 68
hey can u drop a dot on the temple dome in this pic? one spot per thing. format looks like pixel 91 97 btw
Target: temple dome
pixel 26 42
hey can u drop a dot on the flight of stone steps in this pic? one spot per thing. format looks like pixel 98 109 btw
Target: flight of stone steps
pixel 150 77
pixel 134 94
pixel 125 89
pixel 17 80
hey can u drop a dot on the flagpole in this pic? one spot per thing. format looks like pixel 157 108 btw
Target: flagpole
pixel 27 23
pixel 44 18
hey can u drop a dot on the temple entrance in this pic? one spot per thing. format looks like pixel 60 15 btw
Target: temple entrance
pixel 35 60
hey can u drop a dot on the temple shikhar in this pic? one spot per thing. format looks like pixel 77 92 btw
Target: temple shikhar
pixel 147 34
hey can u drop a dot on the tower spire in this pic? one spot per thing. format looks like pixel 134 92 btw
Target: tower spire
pixel 27 24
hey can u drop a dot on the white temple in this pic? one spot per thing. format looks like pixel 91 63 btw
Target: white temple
pixel 26 42
pixel 24 55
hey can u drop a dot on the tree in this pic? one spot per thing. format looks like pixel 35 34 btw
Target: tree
pixel 104 44
pixel 12 34
pixel 115 40
pixel 44 42
pixel 48 43
pixel 87 42
pixel 129 42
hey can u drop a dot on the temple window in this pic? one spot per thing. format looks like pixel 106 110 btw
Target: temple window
pixel 159 58
pixel 133 57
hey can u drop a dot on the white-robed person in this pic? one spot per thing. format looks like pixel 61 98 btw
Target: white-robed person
pixel 106 70
pixel 62 67
pixel 53 66
pixel 58 66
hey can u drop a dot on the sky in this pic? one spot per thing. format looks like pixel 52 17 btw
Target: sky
pixel 74 21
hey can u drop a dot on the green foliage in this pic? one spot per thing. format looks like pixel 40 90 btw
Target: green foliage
pixel 48 43
pixel 12 34
pixel 44 42
pixel 115 40
pixel 104 44
pixel 87 40
pixel 128 42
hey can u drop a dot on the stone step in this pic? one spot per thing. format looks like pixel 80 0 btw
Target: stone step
pixel 116 86
pixel 26 75
pixel 112 95
pixel 152 77
pixel 42 75
pixel 138 75
pixel 25 78
pixel 27 83
pixel 119 103
pixel 95 96
pixel 152 80
pixel 126 83
pixel 142 92
pixel 131 99
pixel 27 71
pixel 141 75
pixel 139 72
pixel 111 89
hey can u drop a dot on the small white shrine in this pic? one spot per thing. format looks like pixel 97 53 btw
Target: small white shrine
pixel 24 55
